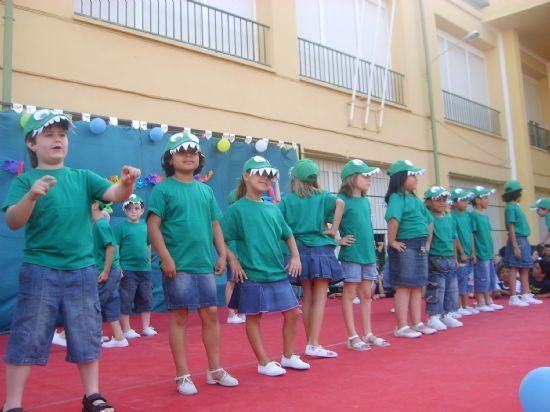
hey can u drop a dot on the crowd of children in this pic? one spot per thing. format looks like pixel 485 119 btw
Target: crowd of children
pixel 75 264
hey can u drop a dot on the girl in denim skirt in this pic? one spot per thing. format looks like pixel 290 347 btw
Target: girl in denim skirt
pixel 183 221
pixel 58 273
pixel 306 210
pixel 357 253
pixel 409 232
pixel 261 278
pixel 518 249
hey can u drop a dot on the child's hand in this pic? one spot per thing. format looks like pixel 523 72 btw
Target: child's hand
pixel 128 175
pixel 456 264
pixel 400 246
pixel 294 266
pixel 238 272
pixel 102 278
pixel 219 267
pixel 331 232
pixel 517 252
pixel 463 257
pixel 474 260
pixel 41 186
pixel 169 267
pixel 346 240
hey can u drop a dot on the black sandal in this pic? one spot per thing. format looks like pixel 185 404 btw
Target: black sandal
pixel 88 403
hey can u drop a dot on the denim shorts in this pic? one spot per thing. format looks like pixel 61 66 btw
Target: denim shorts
pixel 357 272
pixel 318 262
pixel 43 292
pixel 251 298
pixel 511 261
pixel 190 291
pixel 442 289
pixel 109 297
pixel 465 273
pixel 483 275
pixel 136 289
pixel 410 267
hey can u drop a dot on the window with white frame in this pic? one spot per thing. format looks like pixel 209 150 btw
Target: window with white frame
pixel 532 100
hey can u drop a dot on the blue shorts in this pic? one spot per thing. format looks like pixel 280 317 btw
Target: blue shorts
pixel 190 291
pixel 251 298
pixel 525 261
pixel 357 272
pixel 410 267
pixel 109 297
pixel 483 274
pixel 318 262
pixel 442 289
pixel 465 273
pixel 136 289
pixel 43 292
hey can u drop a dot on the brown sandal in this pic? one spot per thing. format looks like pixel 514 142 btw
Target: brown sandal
pixel 88 403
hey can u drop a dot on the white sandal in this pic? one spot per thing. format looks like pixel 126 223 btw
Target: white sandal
pixel 359 345
pixel 186 387
pixel 375 340
pixel 225 380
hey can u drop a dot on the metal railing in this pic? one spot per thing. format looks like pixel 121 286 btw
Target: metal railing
pixel 538 136
pixel 469 113
pixel 333 67
pixel 185 21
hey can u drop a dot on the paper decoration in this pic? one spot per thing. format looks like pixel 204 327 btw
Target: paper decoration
pixel 248 139
pixel 31 109
pixel 280 144
pixel 17 108
pixel 135 124
pixel 207 134
pixel 15 167
pixel 231 137
pixel 164 127
pixel 143 124
pixel 86 117
pixel 113 121
pixel 204 178
pixel 187 129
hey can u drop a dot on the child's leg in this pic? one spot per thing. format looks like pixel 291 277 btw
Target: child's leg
pixel 512 275
pixel 317 310
pixel 254 334
pixel 524 279
pixel 127 291
pixel 450 300
pixel 307 304
pixel 125 322
pixel 89 374
pixel 117 330
pixel 178 340
pixel 348 294
pixel 464 300
pixel 402 300
pixel 16 377
pixel 211 337
pixel 289 331
pixel 145 319
pixel 229 286
pixel 365 306
pixel 415 305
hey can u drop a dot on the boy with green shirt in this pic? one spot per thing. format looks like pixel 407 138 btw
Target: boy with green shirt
pixel 542 206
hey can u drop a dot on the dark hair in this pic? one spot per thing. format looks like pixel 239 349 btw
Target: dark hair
pixel 397 181
pixel 32 155
pixel 240 191
pixel 512 196
pixel 544 264
pixel 168 167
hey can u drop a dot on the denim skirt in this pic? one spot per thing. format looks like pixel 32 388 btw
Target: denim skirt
pixel 511 261
pixel 190 291
pixel 251 298
pixel 410 267
pixel 318 262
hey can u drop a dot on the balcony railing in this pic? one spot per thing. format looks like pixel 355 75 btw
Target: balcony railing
pixel 333 67
pixel 538 136
pixel 469 113
pixel 185 21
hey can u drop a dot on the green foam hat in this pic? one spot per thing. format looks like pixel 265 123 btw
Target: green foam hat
pixel 542 203
pixel 181 142
pixel 44 118
pixel 357 166
pixel 435 192
pixel 512 186
pixel 133 199
pixel 460 194
pixel 260 166
pixel 305 170
pixel 107 206
pixel 481 191
pixel 405 166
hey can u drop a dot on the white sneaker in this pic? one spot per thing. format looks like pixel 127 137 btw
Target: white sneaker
pixel 235 319
pixel 426 330
pixel 434 322
pixel 149 331
pixel 464 312
pixel 58 340
pixel 530 299
pixel 225 380
pixel 104 338
pixel 131 334
pixel 271 369
pixel 113 343
pixel 485 309
pixel 186 387
pixel 406 332
pixel 451 322
pixel 516 301
pixel 319 352
pixel 473 311
pixel 356 301
pixel 496 306
pixel 455 315
pixel 294 362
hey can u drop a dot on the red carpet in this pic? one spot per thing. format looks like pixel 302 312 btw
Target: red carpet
pixel 476 367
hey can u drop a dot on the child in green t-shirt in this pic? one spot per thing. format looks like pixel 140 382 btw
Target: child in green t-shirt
pixel 183 221
pixel 261 278
pixel 306 210
pixel 136 289
pixel 542 207
pixel 58 273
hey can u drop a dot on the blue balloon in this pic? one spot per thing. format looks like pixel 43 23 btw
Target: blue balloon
pixel 534 393
pixel 155 134
pixel 98 125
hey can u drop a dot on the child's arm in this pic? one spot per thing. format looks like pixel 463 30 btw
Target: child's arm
pixel 149 247
pixel 512 234
pixel 430 236
pixel 122 190
pixel 294 266
pixel 393 226
pixel 460 251
pixel 18 215
pixel 277 191
pixel 474 257
pixel 109 253
pixel 546 238
pixel 338 212
pixel 168 264
pixel 238 272
pixel 219 243
pixel 455 252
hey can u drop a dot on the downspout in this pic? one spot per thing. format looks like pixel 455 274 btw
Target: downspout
pixel 7 55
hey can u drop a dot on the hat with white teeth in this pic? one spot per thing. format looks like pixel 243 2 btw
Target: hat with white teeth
pixel 481 191
pixel 460 194
pixel 133 199
pixel 44 118
pixel 542 203
pixel 357 166
pixel 257 165
pixel 435 192
pixel 405 166
pixel 181 142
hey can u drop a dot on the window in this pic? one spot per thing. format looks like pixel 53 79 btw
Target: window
pixel 532 100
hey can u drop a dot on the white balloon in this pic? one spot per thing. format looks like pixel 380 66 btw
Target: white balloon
pixel 261 145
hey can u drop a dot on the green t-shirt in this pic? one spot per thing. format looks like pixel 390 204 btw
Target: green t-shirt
pixel 306 216
pixel 187 211
pixel 257 228
pixel 411 214
pixel 548 221
pixel 103 237
pixel 133 246
pixel 58 234
pixel 356 221
pixel 444 235
pixel 514 214
pixel 482 235
pixel 464 230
